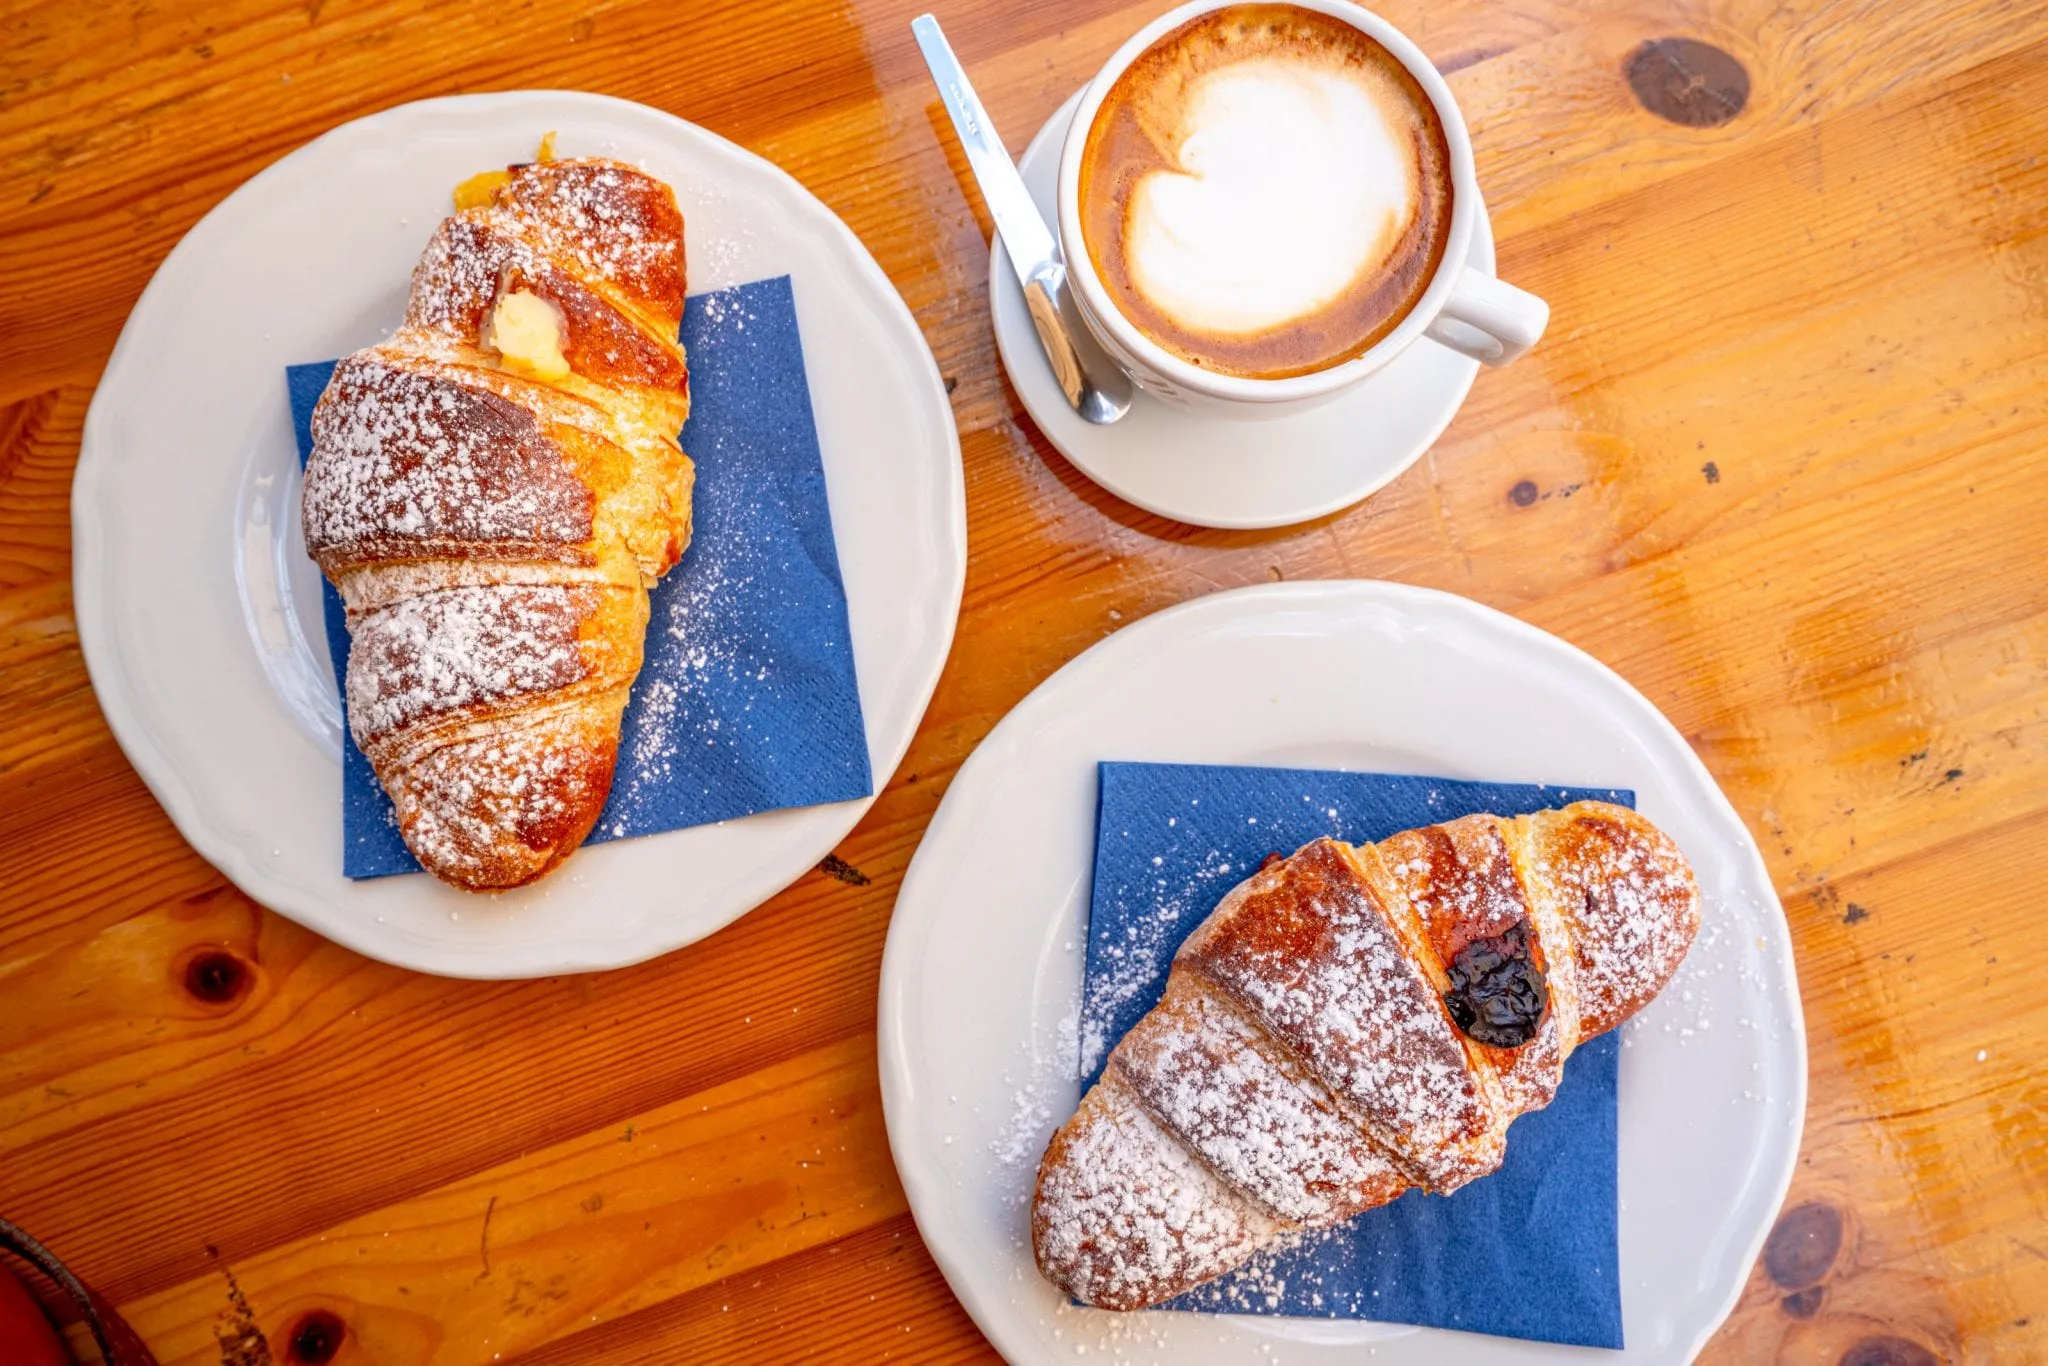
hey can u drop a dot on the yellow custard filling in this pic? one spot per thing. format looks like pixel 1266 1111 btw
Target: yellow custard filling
pixel 527 332
pixel 478 191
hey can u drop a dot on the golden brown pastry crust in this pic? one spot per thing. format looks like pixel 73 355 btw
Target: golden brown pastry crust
pixel 1303 1066
pixel 492 534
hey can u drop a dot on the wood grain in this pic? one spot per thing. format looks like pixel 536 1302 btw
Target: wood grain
pixel 600 1226
pixel 1779 462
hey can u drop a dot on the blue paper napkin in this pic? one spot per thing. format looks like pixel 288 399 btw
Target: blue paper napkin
pixel 747 701
pixel 1527 1252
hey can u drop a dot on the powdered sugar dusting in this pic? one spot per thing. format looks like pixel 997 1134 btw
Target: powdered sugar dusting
pixel 1019 1140
pixel 459 275
pixel 674 709
pixel 422 657
pixel 1134 960
pixel 1252 1111
pixel 1631 898
pixel 1308 948
pixel 595 215
pixel 404 456
pixel 504 805
pixel 722 306
pixel 1134 1206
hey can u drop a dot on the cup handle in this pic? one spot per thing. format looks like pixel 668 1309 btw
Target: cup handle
pixel 1488 319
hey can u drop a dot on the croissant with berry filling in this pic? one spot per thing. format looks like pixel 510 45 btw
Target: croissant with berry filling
pixel 492 491
pixel 1348 1023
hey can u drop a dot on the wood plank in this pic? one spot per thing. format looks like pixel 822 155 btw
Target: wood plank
pixel 1557 130
pixel 194 106
pixel 89 848
pixel 1806 391
pixel 710 1186
pixel 1935 1172
pixel 49 715
pixel 1913 679
pixel 38 449
pixel 883 1298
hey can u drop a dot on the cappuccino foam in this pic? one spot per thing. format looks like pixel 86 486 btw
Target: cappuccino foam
pixel 1266 191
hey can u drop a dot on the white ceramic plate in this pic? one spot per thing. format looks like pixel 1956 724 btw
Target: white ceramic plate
pixel 200 613
pixel 982 977
pixel 1257 472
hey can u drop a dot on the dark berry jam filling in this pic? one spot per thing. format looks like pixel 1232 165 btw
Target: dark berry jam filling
pixel 1497 993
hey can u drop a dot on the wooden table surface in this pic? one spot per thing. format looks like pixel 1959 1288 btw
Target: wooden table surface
pixel 1779 462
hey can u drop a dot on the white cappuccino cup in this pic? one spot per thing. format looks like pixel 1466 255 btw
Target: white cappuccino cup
pixel 1465 309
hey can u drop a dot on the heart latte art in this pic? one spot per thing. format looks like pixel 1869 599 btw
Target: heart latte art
pixel 1290 185
pixel 1265 191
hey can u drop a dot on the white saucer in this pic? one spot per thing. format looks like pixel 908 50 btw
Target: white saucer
pixel 200 613
pixel 981 979
pixel 1220 472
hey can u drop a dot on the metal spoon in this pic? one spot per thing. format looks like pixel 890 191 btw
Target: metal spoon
pixel 1099 390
